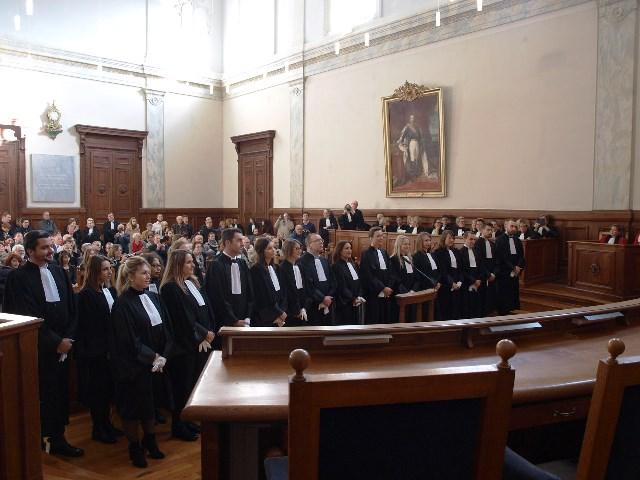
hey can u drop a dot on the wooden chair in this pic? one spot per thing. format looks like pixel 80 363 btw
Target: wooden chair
pixel 446 423
pixel 611 445
pixel 416 298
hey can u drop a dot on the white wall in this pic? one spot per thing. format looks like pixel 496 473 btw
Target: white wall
pixel 519 119
pixel 263 110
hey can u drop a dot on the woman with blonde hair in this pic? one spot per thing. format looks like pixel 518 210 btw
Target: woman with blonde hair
pixel 95 301
pixel 193 333
pixel 139 343
pixel 405 279
pixel 132 227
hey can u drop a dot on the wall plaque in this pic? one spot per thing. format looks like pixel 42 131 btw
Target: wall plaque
pixel 52 178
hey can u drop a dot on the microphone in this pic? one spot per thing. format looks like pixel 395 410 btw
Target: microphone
pixel 406 258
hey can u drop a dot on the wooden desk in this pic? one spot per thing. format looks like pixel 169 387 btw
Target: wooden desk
pixel 611 271
pixel 555 365
pixel 20 455
pixel 542 257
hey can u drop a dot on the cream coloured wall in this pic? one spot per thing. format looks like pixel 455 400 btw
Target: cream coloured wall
pixel 519 119
pixel 193 152
pixel 263 110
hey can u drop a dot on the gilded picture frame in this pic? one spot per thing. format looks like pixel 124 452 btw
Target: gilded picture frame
pixel 414 149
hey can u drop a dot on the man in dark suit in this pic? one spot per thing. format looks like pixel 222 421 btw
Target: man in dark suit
pixel 376 279
pixel 41 289
pixel 327 222
pixel 110 228
pixel 91 233
pixel 207 228
pixel 509 263
pixel 319 282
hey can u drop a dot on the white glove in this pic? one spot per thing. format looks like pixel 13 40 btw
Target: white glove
pixel 247 321
pixel 204 346
pixel 158 364
pixel 62 357
pixel 513 274
pixel 303 315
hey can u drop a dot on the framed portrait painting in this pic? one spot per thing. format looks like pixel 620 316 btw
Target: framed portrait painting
pixel 414 142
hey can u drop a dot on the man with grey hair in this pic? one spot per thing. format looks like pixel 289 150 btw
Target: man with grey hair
pixel 319 282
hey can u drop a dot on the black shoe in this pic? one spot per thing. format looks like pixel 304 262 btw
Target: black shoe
pixel 150 445
pixel 136 455
pixel 60 446
pixel 103 435
pixel 116 432
pixel 181 431
pixel 195 428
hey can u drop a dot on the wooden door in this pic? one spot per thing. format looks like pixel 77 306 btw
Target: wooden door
pixel 11 174
pixel 111 171
pixel 255 174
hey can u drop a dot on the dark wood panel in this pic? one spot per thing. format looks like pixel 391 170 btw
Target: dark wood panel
pixel 9 176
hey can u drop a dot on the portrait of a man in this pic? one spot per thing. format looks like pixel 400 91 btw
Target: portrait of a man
pixel 414 142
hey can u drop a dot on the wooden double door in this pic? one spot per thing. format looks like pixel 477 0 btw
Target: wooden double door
pixel 255 175
pixel 111 170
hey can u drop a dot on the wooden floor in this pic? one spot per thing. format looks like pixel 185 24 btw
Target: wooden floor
pixel 111 462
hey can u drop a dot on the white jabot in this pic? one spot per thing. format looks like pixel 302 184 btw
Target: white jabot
pixel 91 231
pixel 460 232
pixel 612 241
pixel 478 234
pixel 349 216
pixel 327 222
pixel 195 292
pixel 354 274
pixel 487 247
pixel 152 311
pixel 432 262
pixel 108 296
pixel 274 278
pixel 236 285
pixel 51 293
pixel 408 265
pixel 512 246
pixel 522 236
pixel 319 270
pixel 383 265
pixel 113 226
pixel 153 288
pixel 415 230
pixel 297 276
pixel 452 257
pixel 472 258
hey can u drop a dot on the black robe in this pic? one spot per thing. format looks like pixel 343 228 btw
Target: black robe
pixel 345 223
pixel 324 230
pixel 530 234
pixel 403 282
pixel 110 233
pixel 190 324
pixel 508 287
pixel 427 276
pixel 358 220
pixel 488 293
pixel 90 238
pixel 347 290
pixel 133 344
pixel 295 298
pixel 471 300
pixel 317 290
pixel 269 303
pixel 24 295
pixel 227 307
pixel 448 303
pixel 91 348
pixel 374 280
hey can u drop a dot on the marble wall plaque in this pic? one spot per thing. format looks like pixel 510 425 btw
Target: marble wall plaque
pixel 52 178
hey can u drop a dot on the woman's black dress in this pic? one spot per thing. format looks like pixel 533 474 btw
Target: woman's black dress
pixel 133 344
pixel 347 290
pixel 269 303
pixel 403 281
pixel 296 298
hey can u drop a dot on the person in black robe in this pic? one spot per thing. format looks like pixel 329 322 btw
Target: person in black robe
pixel 319 283
pixel 90 234
pixel 293 283
pixel 139 346
pixel 347 220
pixel 509 263
pixel 157 270
pixel 96 387
pixel 526 232
pixel 39 288
pixel 349 300
pixel 377 281
pixel 207 228
pixel 64 260
pixel 358 217
pixel 449 301
pixel 269 296
pixel 110 228
pixel 427 269
pixel 460 227
pixel 405 279
pixel 473 278
pixel 485 251
pixel 193 326
pixel 327 223
pixel 228 283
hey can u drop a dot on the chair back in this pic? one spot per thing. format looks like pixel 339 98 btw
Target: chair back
pixel 611 444
pixel 445 423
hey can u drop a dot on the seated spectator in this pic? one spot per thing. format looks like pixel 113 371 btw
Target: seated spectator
pixel 527 233
pixel 137 245
pixel 460 228
pixel 207 228
pixel 47 224
pixel 544 227
pixel 19 249
pixel 615 236
pixel 64 260
pixel 211 245
pixel 437 227
pixel 25 226
pixel 132 226
pixel 299 234
pixel 307 224
pixel 122 238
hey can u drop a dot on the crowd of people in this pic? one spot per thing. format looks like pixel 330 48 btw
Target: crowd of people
pixel 139 309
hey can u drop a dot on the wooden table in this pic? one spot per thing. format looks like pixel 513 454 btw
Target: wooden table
pixel 555 365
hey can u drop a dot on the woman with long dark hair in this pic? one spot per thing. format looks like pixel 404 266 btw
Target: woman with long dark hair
pixel 449 300
pixel 269 296
pixel 95 301
pixel 293 284
pixel 139 345
pixel 193 333
pixel 349 290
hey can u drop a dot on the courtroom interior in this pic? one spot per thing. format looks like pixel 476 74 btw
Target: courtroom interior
pixel 319 239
